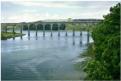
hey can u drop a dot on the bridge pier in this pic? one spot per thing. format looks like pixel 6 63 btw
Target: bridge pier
pixel 13 32
pixel 88 25
pixel 58 30
pixel 73 41
pixel 43 30
pixel 36 30
pixel 28 31
pixel 21 31
pixel 80 38
pixel 88 37
pixel 51 30
pixel 80 33
pixel 66 33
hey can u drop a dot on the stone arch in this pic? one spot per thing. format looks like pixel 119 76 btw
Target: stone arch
pixel 47 26
pixel 55 26
pixel 32 26
pixel 25 27
pixel 39 27
pixel 62 26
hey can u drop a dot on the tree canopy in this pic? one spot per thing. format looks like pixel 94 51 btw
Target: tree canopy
pixel 106 35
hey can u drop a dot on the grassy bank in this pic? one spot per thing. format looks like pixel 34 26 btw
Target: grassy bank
pixel 8 35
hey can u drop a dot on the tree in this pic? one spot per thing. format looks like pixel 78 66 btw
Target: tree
pixel 106 36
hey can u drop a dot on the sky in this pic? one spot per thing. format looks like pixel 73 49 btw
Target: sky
pixel 30 10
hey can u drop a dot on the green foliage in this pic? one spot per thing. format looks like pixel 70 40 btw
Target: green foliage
pixel 97 71
pixel 5 36
pixel 106 35
pixel 87 55
pixel 78 27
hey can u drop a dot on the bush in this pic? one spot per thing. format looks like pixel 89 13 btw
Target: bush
pixel 106 36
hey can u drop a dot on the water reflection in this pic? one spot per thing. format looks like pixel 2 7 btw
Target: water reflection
pixel 73 41
pixel 80 41
pixel 21 37
pixel 13 38
pixel 36 37
pixel 28 37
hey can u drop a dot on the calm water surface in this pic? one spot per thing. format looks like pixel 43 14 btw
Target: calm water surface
pixel 47 58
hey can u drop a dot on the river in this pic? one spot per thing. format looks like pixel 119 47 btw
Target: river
pixel 47 58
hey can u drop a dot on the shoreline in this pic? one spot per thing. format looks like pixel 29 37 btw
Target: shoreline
pixel 8 35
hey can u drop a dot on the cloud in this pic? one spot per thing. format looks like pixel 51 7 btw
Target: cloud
pixel 29 17
pixel 48 4
pixel 65 4
pixel 26 17
pixel 27 11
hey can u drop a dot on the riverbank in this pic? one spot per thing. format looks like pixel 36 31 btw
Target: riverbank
pixel 8 35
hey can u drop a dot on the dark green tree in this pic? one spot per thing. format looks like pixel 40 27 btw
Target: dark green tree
pixel 106 35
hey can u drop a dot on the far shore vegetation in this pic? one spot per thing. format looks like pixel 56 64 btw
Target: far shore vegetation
pixel 8 35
